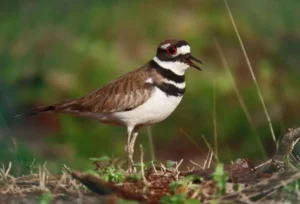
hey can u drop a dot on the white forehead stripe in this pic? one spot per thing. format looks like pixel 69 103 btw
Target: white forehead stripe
pixel 164 46
pixel 185 49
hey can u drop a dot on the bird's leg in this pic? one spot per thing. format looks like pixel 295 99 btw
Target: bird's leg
pixel 129 150
pixel 131 146
pixel 132 141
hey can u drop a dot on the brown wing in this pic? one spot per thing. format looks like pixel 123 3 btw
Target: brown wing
pixel 125 93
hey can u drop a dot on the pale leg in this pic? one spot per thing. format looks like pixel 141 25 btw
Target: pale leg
pixel 132 141
pixel 131 146
pixel 128 149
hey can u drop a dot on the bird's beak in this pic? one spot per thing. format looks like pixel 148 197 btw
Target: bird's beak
pixel 189 61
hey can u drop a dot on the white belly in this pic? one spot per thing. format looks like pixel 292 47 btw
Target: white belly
pixel 158 107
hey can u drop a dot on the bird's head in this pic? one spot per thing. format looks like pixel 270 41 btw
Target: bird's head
pixel 176 56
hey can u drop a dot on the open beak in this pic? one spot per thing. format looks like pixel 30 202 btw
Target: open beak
pixel 189 61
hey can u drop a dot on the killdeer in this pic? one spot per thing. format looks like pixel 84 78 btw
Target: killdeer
pixel 139 98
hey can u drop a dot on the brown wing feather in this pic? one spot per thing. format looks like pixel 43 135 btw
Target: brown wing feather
pixel 125 93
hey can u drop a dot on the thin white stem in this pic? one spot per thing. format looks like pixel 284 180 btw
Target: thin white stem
pixel 196 164
pixel 151 144
pixel 215 119
pixel 142 165
pixel 210 158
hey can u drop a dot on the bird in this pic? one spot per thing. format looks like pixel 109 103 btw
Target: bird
pixel 142 97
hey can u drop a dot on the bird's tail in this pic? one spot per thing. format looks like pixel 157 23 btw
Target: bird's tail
pixel 64 106
pixel 36 111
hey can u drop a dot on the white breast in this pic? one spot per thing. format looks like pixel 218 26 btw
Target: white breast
pixel 158 107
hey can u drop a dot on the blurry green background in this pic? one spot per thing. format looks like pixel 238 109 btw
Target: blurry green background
pixel 61 49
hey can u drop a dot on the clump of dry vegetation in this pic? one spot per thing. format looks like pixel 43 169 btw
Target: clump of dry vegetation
pixel 32 187
pixel 156 182
pixel 240 182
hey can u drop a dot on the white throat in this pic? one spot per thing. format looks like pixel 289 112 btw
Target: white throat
pixel 178 68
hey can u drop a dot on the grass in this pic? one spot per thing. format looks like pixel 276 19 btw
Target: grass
pixel 215 119
pixel 46 198
pixel 109 169
pixel 150 142
pixel 220 177
pixel 239 96
pixel 251 72
pixel 156 181
pixel 293 187
pixel 179 189
pixel 177 199
pixel 40 182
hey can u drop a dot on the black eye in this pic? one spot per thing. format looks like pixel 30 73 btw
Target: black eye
pixel 171 50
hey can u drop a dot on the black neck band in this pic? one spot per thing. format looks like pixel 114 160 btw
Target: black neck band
pixel 170 89
pixel 166 73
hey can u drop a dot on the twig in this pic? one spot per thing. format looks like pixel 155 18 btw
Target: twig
pixel 8 169
pixel 177 175
pixel 42 178
pixel 153 166
pixel 196 164
pixel 265 187
pixel 298 158
pixel 163 167
pixel 177 166
pixel 176 169
pixel 67 168
pixel 206 160
pixel 210 158
pixel 30 167
pixel 294 158
pixel 286 145
pixel 209 146
pixel 196 193
pixel 263 164
pixel 190 170
pixel 45 168
pixel 101 187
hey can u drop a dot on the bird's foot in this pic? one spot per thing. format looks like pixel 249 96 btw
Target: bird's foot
pixel 129 152
pixel 131 168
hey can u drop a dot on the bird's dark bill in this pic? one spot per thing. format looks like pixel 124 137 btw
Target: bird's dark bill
pixel 191 63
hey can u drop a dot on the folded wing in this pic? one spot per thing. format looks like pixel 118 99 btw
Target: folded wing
pixel 123 94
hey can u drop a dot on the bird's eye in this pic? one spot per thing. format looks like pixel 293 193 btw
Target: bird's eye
pixel 171 50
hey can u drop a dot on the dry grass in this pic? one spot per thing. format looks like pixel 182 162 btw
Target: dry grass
pixel 251 71
pixel 156 182
pixel 239 96
pixel 32 186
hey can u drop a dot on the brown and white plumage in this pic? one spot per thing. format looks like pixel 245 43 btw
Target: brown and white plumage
pixel 142 97
pixel 123 94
